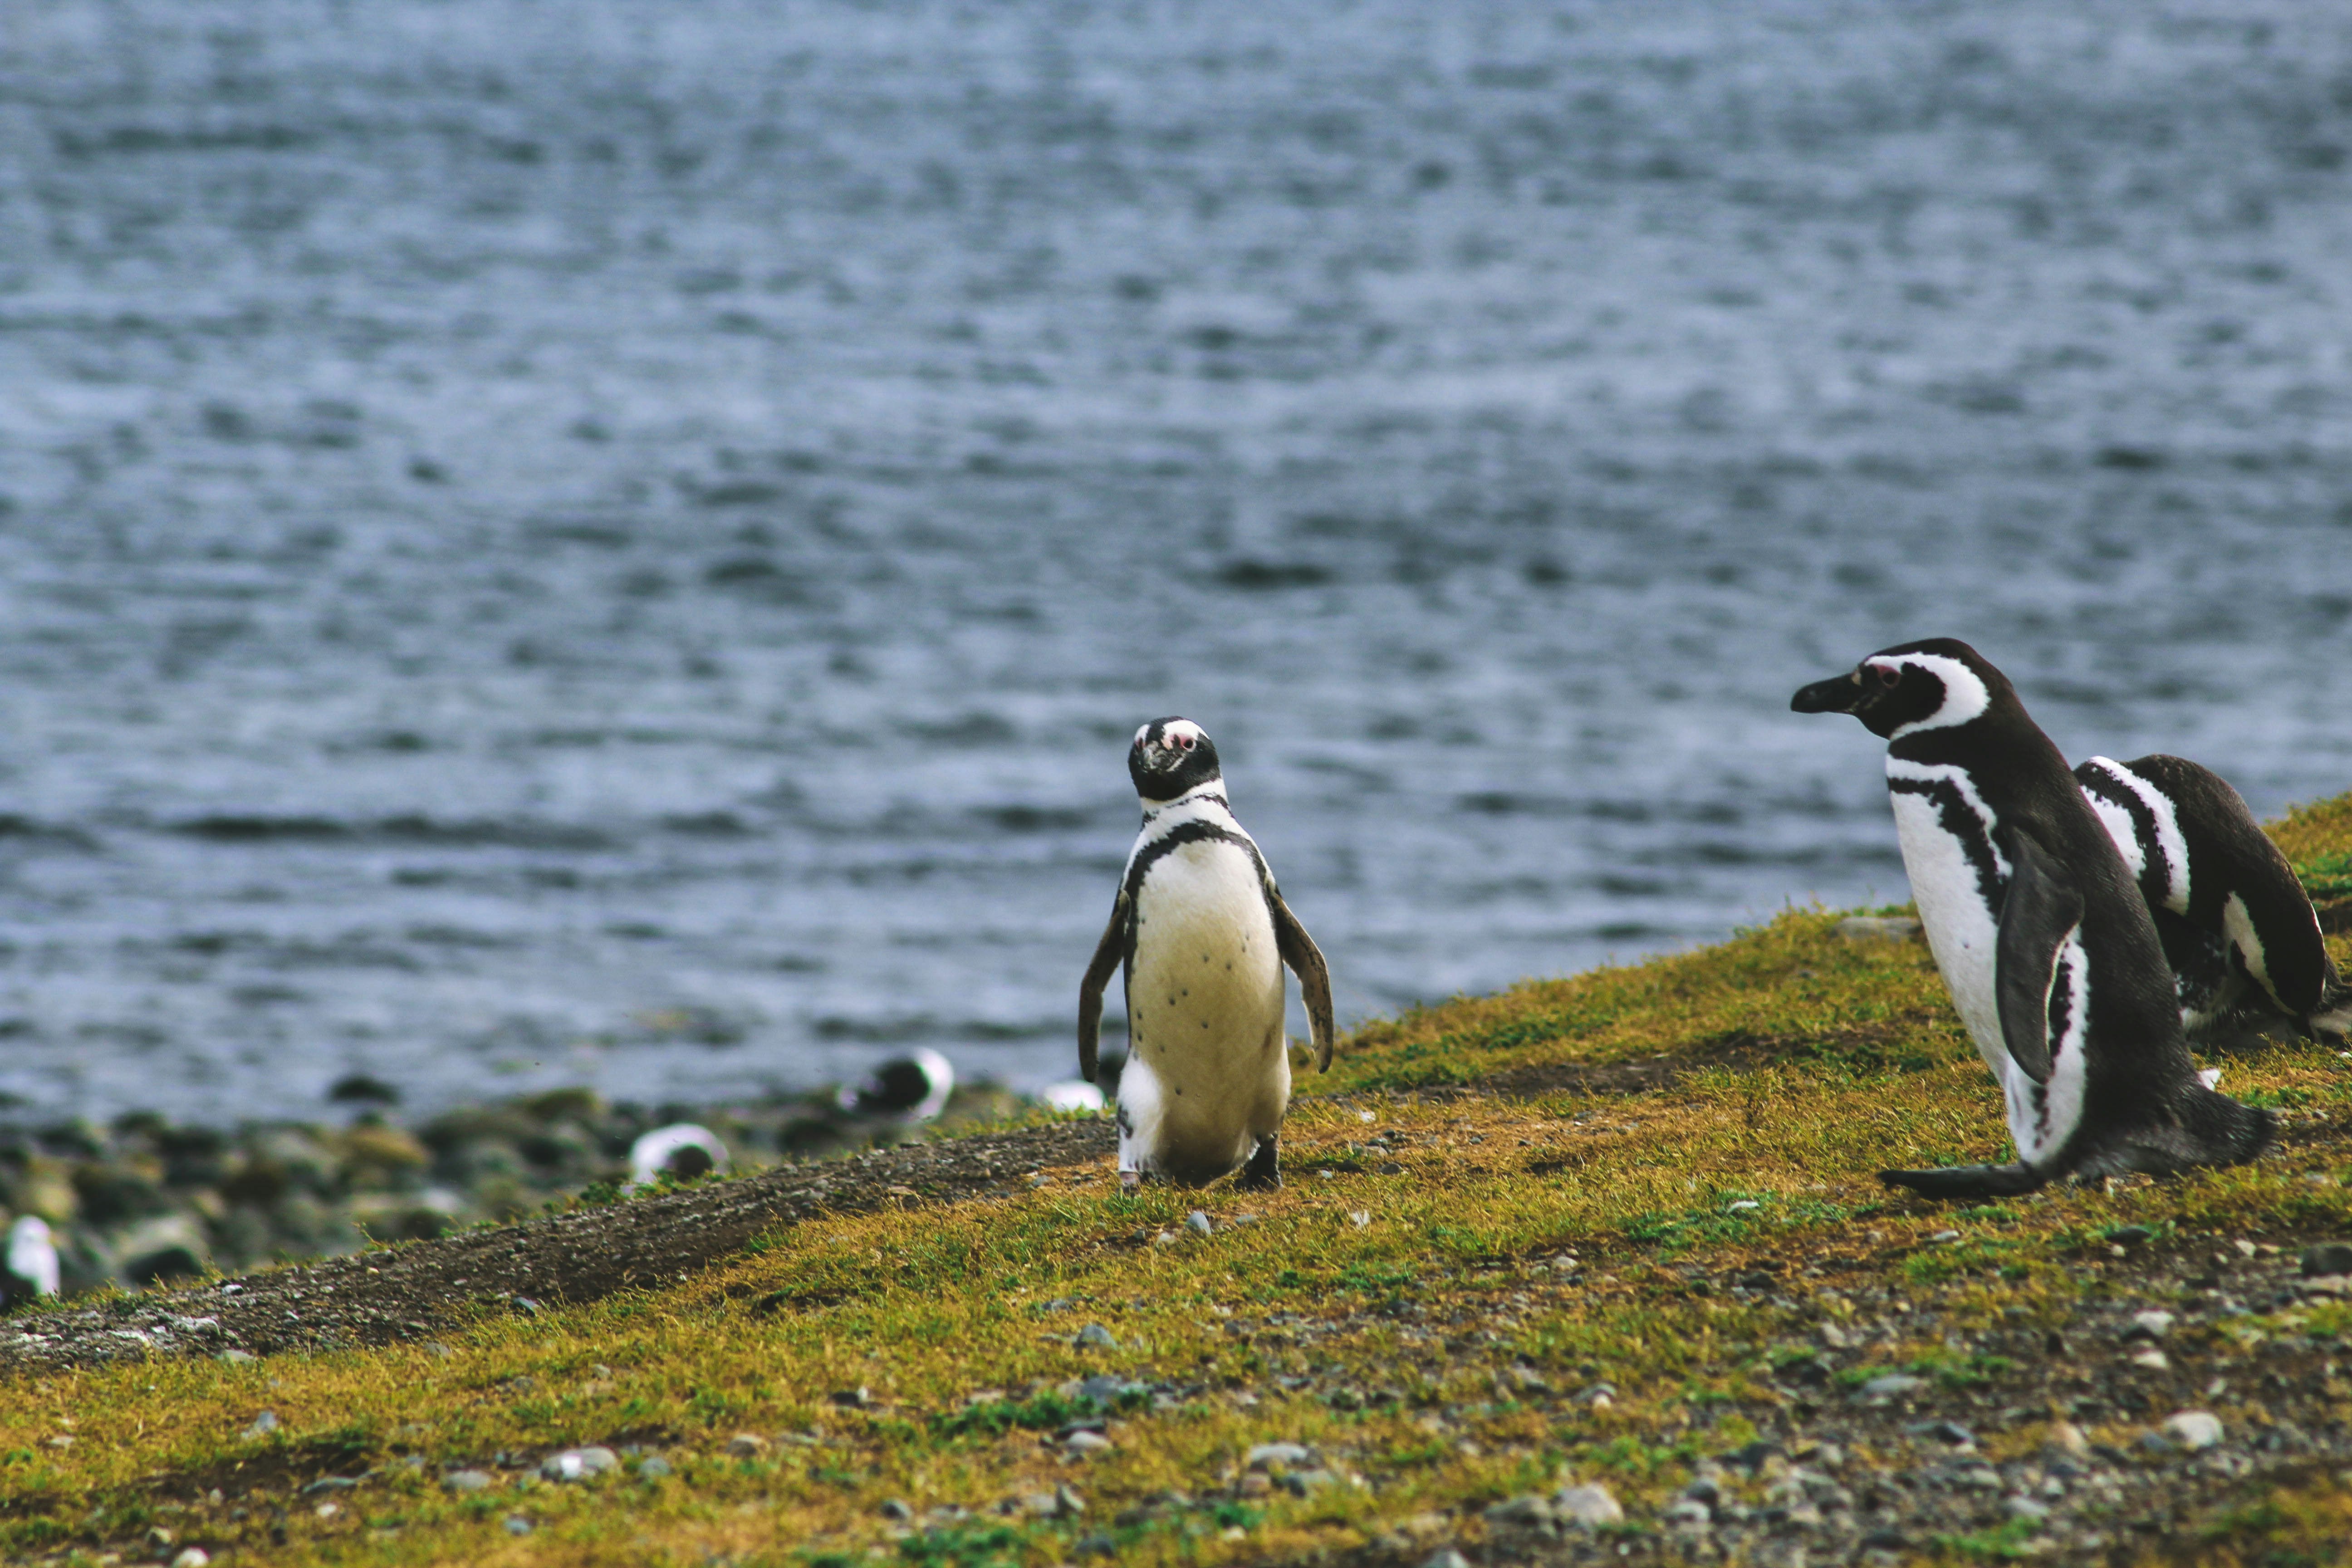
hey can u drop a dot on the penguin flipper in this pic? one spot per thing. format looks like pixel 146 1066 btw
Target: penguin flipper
pixel 1968 1180
pixel 1108 951
pixel 1306 961
pixel 2042 908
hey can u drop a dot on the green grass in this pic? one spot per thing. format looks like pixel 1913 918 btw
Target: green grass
pixel 949 1315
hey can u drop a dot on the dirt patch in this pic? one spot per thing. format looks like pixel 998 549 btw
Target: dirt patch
pixel 409 1293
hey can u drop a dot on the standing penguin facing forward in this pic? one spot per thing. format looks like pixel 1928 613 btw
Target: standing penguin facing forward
pixel 1205 935
pixel 2039 929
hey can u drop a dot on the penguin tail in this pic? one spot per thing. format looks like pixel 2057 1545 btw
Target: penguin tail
pixel 1953 1181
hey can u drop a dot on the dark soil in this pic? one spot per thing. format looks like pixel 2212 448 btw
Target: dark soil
pixel 416 1289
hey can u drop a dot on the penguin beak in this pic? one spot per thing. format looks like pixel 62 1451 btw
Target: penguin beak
pixel 1838 694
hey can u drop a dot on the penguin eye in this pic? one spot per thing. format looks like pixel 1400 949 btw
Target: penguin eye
pixel 1888 674
pixel 1183 742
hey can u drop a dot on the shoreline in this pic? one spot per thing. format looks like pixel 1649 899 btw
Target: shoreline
pixel 143 1201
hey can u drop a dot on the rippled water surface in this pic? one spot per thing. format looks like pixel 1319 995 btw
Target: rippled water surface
pixel 624 543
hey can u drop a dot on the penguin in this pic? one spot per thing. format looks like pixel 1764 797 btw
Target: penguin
pixel 1203 934
pixel 2039 929
pixel 30 1269
pixel 680 1150
pixel 912 1087
pixel 2227 905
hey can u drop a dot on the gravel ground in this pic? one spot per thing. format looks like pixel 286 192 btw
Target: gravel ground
pixel 2181 1381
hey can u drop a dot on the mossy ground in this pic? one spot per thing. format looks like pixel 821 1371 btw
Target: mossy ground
pixel 1400 1306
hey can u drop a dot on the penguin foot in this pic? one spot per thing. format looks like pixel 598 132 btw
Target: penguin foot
pixel 1129 1181
pixel 1968 1180
pixel 1264 1172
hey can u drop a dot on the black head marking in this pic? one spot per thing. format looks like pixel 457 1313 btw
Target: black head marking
pixel 1933 684
pixel 1170 757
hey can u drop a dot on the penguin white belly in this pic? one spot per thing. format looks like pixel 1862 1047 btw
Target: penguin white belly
pixel 1208 1073
pixel 1961 931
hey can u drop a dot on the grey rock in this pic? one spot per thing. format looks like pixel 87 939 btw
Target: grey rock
pixel 1528 1512
pixel 1687 1512
pixel 1199 1222
pixel 2330 1258
pixel 2195 1430
pixel 1949 1433
pixel 263 1425
pixel 2149 1326
pixel 1892 1386
pixel 517 1525
pixel 1877 928
pixel 2025 1507
pixel 1289 1456
pixel 895 1509
pixel 579 1464
pixel 1096 1335
pixel 1306 1483
pixel 235 1357
pixel 1590 1505
pixel 1086 1442
pixel 653 1467
pixel 468 1481
pixel 1446 1557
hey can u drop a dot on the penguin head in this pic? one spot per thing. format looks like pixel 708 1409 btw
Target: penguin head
pixel 1170 757
pixel 1929 685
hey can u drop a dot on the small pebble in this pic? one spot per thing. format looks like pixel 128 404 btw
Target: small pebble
pixel 897 1510
pixel 2149 1326
pixel 235 1357
pixel 579 1464
pixel 192 1557
pixel 747 1446
pixel 1590 1505
pixel 2332 1258
pixel 1288 1454
pixel 517 1525
pixel 1528 1512
pixel 263 1425
pixel 2153 1360
pixel 1359 1218
pixel 1199 1222
pixel 1446 1557
pixel 1086 1442
pixel 1877 928
pixel 467 1480
pixel 2195 1430
pixel 653 1467
pixel 1096 1335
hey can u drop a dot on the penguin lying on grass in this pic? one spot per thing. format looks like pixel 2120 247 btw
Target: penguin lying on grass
pixel 2236 924
pixel 1203 934
pixel 2039 929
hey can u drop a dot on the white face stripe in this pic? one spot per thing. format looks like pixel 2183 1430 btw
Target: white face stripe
pixel 1965 695
pixel 2168 839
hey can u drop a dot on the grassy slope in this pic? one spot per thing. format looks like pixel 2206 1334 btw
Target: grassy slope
pixel 1864 1065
